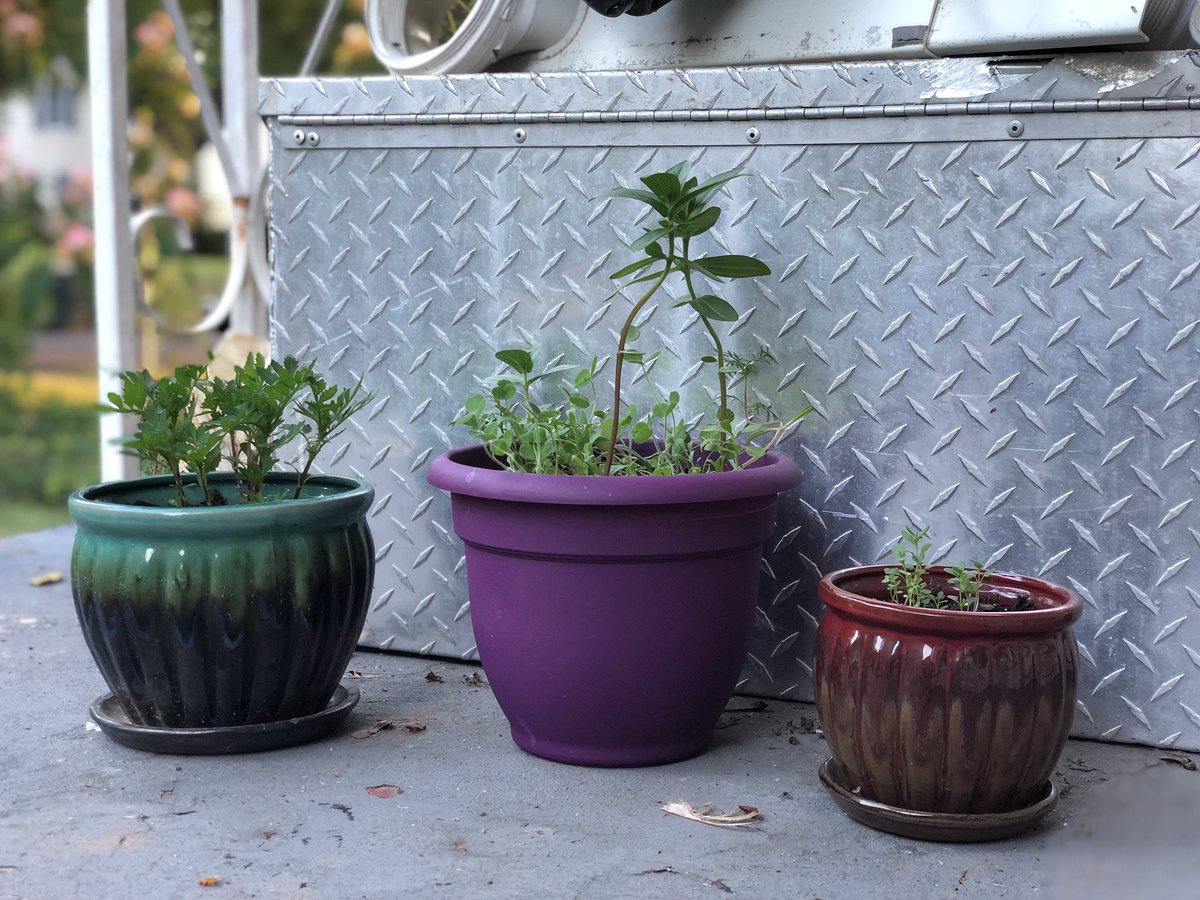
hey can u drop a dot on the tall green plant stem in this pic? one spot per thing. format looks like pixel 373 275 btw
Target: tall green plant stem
pixel 616 410
pixel 722 375
pixel 303 476
pixel 177 476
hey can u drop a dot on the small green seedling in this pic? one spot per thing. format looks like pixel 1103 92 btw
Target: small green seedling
pixel 188 422
pixel 967 583
pixel 907 583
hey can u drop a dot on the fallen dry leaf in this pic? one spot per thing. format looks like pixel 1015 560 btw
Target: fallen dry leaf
pixel 46 578
pixel 1180 760
pixel 737 817
pixel 410 725
pixel 475 680
pixel 384 791
pixel 755 706
pixel 433 677
pixel 210 881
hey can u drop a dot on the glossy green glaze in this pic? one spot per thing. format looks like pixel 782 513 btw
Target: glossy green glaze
pixel 232 615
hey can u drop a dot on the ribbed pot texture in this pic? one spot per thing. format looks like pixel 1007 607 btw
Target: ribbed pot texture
pixel 612 614
pixel 943 710
pixel 217 616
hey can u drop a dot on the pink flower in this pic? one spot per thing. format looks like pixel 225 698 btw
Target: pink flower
pixel 24 26
pixel 183 202
pixel 78 189
pixel 76 243
pixel 155 33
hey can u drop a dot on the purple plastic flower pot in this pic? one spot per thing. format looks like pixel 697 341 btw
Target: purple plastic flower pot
pixel 612 614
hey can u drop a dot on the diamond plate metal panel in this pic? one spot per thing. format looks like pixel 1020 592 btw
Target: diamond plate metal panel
pixel 997 333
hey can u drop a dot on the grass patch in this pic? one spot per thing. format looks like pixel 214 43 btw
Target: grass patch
pixel 64 388
pixel 21 518
pixel 49 448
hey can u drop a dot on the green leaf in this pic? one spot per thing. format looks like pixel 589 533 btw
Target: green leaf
pixel 634 333
pixel 644 196
pixel 642 432
pixel 704 192
pixel 682 170
pixel 731 266
pixel 700 223
pixel 653 276
pixel 713 307
pixel 636 266
pixel 520 361
pixel 553 370
pixel 650 237
pixel 664 185
pixel 636 357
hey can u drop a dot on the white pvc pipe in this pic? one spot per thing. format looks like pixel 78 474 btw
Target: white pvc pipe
pixel 492 31
pixel 115 343
pixel 243 129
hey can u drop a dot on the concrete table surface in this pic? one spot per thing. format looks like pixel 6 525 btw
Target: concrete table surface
pixel 473 816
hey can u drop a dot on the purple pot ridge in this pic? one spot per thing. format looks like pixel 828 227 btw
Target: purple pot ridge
pixel 944 710
pixel 612 614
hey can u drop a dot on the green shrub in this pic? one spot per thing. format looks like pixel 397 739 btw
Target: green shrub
pixel 49 448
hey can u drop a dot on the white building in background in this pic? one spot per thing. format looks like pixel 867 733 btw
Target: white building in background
pixel 48 131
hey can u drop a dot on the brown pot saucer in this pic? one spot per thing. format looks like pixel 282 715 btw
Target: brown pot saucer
pixel 936 826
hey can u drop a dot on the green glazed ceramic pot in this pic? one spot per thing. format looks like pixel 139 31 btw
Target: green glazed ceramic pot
pixel 230 615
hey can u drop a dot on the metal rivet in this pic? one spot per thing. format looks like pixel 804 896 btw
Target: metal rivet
pixel 519 135
pixel 313 139
pixel 752 135
pixel 1189 88
pixel 298 136
pixel 1016 128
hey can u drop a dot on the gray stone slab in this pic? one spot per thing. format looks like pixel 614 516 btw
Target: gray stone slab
pixel 81 816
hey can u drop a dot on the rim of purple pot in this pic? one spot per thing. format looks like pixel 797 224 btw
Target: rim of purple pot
pixel 470 471
pixel 1057 606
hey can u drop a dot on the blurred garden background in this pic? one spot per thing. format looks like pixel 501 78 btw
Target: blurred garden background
pixel 48 429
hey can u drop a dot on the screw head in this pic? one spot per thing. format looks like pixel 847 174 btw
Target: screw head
pixel 298 136
pixel 752 135
pixel 519 135
pixel 1016 128
pixel 312 139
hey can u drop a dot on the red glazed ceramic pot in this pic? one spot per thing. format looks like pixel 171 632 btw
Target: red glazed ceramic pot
pixel 944 710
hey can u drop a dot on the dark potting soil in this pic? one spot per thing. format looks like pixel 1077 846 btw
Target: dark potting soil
pixel 1000 600
pixel 990 600
pixel 1020 604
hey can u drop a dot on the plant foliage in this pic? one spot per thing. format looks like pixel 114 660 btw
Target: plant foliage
pixel 190 422
pixel 571 433
pixel 908 584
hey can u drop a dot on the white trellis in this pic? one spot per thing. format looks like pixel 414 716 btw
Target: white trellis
pixel 236 137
